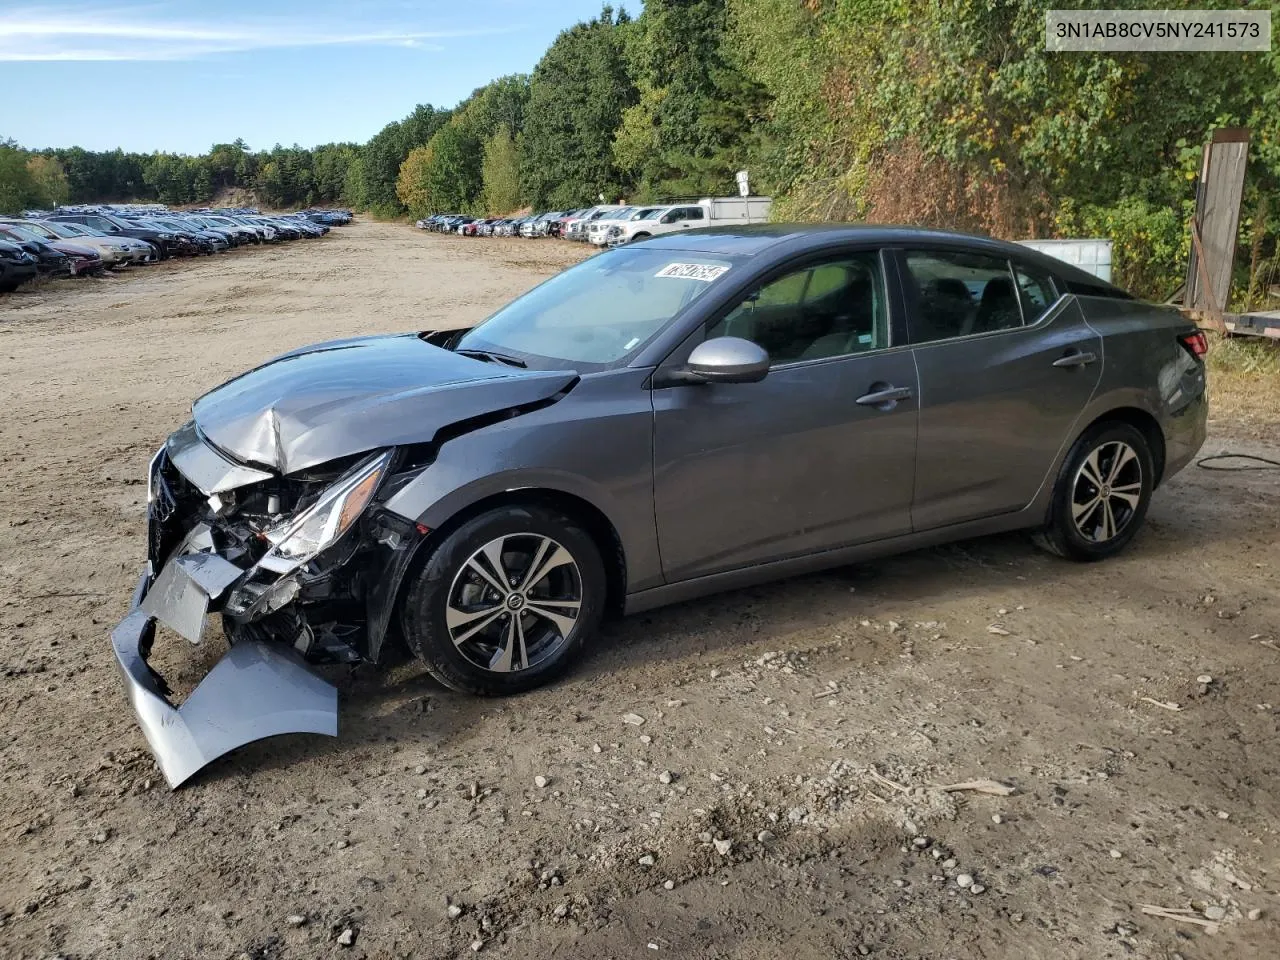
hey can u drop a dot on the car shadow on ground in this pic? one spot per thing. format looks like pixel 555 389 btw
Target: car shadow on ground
pixel 399 702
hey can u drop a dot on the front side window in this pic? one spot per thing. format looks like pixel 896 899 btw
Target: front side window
pixel 958 294
pixel 829 309
pixel 601 310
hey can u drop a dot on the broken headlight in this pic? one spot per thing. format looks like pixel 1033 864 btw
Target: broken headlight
pixel 325 521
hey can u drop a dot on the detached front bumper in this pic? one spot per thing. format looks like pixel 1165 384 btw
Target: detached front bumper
pixel 256 690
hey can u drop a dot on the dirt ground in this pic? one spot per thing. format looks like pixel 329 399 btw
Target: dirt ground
pixel 781 795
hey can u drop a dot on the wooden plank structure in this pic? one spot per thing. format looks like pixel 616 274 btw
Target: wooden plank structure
pixel 1217 218
pixel 1262 324
pixel 1219 190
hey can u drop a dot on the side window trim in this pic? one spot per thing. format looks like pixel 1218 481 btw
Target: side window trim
pixel 696 333
pixel 911 302
pixel 895 325
pixel 1056 288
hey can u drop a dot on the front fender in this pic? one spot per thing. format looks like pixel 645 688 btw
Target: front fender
pixel 595 444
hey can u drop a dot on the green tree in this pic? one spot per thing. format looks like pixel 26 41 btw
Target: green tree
pixel 18 188
pixel 353 185
pixel 50 179
pixel 413 185
pixel 388 149
pixel 699 119
pixel 453 175
pixel 952 113
pixel 501 173
pixel 577 96
pixel 331 164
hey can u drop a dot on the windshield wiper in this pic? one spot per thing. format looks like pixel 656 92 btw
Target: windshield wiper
pixel 491 357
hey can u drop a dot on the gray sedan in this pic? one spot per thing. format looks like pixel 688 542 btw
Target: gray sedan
pixel 680 416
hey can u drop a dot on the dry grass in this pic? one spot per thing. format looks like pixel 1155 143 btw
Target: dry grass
pixel 1244 384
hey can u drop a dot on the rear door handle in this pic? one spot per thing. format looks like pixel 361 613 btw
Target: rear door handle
pixel 883 396
pixel 1076 358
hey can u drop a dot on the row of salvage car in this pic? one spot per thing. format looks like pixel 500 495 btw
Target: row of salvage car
pixel 608 224
pixel 90 240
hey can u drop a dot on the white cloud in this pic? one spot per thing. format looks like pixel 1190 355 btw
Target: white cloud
pixel 93 33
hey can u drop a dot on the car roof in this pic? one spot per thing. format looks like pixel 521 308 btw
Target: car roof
pixel 749 240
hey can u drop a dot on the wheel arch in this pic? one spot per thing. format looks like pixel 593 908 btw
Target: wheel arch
pixel 592 519
pixel 1142 421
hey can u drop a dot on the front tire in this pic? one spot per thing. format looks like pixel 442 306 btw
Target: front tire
pixel 1102 494
pixel 506 602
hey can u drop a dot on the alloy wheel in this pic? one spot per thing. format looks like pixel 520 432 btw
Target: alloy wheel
pixel 1106 491
pixel 515 601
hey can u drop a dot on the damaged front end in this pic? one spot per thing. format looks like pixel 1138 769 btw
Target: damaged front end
pixel 302 568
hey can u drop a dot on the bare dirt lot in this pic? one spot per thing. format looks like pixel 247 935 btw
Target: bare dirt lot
pixel 780 797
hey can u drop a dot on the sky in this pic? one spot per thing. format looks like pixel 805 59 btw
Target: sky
pixel 180 76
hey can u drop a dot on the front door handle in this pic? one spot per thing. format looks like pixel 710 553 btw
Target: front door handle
pixel 1076 358
pixel 883 396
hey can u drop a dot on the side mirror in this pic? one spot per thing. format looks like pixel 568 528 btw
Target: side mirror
pixel 728 360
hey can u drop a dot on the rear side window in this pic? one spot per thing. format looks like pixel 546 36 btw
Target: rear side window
pixel 693 213
pixel 958 294
pixel 1036 290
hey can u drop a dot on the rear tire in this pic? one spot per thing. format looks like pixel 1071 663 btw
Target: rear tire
pixel 1101 495
pixel 479 639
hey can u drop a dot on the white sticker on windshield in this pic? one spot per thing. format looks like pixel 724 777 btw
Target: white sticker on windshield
pixel 691 271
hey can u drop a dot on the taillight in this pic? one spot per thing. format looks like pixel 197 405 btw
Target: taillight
pixel 1195 343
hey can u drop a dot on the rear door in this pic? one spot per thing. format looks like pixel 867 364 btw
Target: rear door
pixel 1006 369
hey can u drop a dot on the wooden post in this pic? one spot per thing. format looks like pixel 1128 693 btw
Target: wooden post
pixel 1217 218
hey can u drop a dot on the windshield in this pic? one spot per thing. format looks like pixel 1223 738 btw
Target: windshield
pixel 68 230
pixel 600 311
pixel 23 232
pixel 653 214
pixel 43 232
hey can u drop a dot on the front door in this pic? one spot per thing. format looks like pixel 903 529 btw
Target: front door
pixel 1006 370
pixel 817 455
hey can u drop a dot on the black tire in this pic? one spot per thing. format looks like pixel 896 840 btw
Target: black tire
pixel 1089 538
pixel 442 580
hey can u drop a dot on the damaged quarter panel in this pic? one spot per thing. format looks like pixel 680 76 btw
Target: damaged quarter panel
pixel 594 444
pixel 316 405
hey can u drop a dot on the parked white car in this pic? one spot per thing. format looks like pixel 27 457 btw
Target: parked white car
pixel 577 229
pixel 708 212
pixel 599 231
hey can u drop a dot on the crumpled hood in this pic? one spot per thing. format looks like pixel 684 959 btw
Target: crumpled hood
pixel 344 397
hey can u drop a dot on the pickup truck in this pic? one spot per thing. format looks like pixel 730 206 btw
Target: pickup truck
pixel 708 212
pixel 576 229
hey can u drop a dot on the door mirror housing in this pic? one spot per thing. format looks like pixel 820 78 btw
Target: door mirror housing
pixel 728 360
